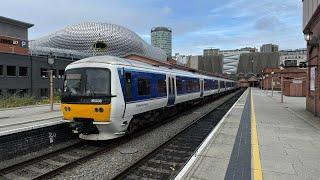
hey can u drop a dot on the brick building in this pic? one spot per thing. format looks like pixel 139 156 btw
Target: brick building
pixel 311 30
pixel 14 36
pixel 294 80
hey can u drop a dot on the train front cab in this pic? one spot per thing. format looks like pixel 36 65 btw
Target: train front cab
pixel 87 102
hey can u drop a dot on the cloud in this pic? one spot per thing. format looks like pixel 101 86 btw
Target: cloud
pixel 267 24
pixel 166 11
pixel 223 24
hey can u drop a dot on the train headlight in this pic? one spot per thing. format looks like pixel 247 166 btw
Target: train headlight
pixel 101 110
pixel 69 108
pixel 65 108
pixel 96 109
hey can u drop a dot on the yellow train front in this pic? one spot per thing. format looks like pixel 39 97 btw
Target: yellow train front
pixel 105 97
pixel 87 100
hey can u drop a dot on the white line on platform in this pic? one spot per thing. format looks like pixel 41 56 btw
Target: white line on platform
pixel 29 122
pixel 205 142
pixel 29 128
pixel 26 107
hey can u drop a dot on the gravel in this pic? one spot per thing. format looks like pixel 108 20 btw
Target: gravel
pixel 111 163
pixel 19 159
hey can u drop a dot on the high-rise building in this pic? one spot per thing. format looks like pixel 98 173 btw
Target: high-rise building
pixel 230 57
pixel 254 63
pixel 293 57
pixel 210 52
pixel 267 48
pixel 210 64
pixel 161 37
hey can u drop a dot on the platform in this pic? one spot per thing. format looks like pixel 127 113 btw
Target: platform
pixel 14 120
pixel 260 138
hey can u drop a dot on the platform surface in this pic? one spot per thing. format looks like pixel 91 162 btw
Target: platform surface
pixel 13 120
pixel 286 146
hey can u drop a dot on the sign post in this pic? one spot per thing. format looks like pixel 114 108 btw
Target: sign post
pixel 51 89
pixel 51 62
pixel 272 83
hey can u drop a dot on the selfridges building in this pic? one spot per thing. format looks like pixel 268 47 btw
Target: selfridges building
pixel 92 39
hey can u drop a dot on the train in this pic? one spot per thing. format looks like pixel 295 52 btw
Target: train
pixel 106 97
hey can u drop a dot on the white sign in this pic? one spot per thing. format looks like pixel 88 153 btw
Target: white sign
pixel 312 78
pixel 295 81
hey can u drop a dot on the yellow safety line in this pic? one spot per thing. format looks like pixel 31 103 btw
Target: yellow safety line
pixel 257 170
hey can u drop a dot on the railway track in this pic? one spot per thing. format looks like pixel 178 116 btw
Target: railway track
pixel 166 161
pixel 51 164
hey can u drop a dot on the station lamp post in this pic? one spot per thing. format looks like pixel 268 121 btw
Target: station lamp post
pixel 262 83
pixel 313 41
pixel 281 71
pixel 50 72
pixel 251 60
pixel 272 73
pixel 267 84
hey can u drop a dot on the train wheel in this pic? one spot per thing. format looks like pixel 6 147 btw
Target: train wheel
pixel 133 126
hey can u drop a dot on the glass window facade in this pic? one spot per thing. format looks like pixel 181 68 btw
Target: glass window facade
pixel 161 37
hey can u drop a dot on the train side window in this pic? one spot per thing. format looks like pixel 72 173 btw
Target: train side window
pixel 222 84
pixel 169 83
pixel 216 85
pixel 128 85
pixel 144 88
pixel 179 86
pixel 172 86
pixel 189 85
pixel 161 87
pixel 206 85
pixel 196 85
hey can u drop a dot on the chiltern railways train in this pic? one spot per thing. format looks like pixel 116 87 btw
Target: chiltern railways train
pixel 106 97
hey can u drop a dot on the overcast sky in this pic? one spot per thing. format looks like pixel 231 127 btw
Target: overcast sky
pixel 198 24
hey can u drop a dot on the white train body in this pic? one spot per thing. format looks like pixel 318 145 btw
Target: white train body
pixel 103 94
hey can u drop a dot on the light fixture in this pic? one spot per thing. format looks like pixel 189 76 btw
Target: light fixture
pixel 308 36
pixel 50 59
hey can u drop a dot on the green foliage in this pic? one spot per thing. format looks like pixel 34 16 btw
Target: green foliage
pixel 9 101
pixel 15 101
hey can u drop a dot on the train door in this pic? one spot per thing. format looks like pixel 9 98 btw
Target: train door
pixel 128 93
pixel 171 91
pixel 201 87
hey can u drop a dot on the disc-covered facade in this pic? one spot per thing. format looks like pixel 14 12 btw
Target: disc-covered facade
pixel 85 39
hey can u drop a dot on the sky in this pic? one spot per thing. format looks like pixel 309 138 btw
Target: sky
pixel 196 24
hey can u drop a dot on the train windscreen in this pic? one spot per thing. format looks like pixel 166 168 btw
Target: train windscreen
pixel 87 85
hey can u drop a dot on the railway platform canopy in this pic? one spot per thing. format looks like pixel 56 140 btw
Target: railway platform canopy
pixel 260 138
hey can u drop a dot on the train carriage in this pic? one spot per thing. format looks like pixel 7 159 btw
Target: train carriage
pixel 106 97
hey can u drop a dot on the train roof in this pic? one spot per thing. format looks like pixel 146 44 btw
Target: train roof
pixel 126 62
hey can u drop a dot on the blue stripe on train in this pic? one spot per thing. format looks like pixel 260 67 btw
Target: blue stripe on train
pixel 188 85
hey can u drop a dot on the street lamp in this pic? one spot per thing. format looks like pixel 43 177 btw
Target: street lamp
pixel 267 84
pixel 281 69
pixel 272 73
pixel 51 62
pixel 251 60
pixel 308 36
pixel 262 83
